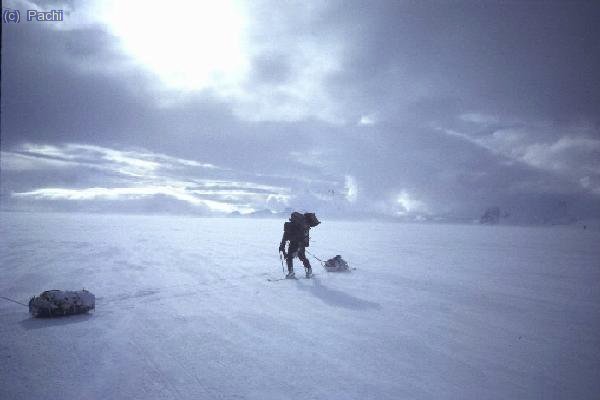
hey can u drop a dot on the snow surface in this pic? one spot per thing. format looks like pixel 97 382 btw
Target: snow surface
pixel 184 311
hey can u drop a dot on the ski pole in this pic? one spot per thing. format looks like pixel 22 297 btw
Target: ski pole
pixel 282 267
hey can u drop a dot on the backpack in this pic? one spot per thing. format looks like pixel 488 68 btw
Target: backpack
pixel 311 219
pixel 297 218
pixel 294 231
pixel 297 229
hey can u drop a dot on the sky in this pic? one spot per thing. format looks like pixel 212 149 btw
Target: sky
pixel 407 109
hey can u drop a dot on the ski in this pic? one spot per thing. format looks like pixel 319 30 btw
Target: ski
pixel 289 279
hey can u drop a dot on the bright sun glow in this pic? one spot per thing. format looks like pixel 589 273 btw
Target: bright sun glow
pixel 190 45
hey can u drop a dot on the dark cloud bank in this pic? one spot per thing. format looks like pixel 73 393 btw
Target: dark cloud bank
pixel 422 110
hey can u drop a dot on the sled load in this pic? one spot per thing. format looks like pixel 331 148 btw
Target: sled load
pixel 54 303
pixel 336 264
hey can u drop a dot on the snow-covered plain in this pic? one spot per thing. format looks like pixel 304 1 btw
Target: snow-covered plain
pixel 184 311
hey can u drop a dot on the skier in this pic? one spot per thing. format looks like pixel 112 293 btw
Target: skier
pixel 297 233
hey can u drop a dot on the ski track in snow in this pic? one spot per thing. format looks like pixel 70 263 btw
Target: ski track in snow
pixel 184 310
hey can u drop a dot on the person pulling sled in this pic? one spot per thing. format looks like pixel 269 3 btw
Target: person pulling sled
pixel 296 232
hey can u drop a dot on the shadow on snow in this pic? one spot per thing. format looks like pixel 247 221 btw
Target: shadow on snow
pixel 336 297
pixel 38 323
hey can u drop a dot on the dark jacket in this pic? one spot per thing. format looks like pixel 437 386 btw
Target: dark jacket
pixel 296 232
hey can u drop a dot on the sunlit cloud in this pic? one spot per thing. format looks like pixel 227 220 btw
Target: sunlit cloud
pixel 367 120
pixel 245 53
pixel 199 44
pixel 131 193
pixel 216 200
pixel 131 163
pixel 121 175
pixel 351 187
pixel 409 205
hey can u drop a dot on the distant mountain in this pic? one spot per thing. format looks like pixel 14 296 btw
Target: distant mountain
pixel 491 216
pixel 264 213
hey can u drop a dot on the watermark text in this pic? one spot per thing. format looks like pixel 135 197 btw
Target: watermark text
pixel 10 15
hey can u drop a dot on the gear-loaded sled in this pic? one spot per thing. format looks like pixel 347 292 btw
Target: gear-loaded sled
pixel 55 303
pixel 336 264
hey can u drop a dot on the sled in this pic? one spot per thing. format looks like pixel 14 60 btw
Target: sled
pixel 55 303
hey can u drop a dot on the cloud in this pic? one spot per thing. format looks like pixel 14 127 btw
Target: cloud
pixel 131 163
pixel 477 118
pixel 507 94
pixel 99 175
pixel 13 161
pixel 564 155
pixel 351 187
pixel 570 151
pixel 408 205
pixel 367 120
pixel 149 174
pixel 290 67
pixel 248 55
pixel 132 193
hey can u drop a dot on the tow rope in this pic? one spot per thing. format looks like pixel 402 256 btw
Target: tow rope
pixel 316 258
pixel 14 301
